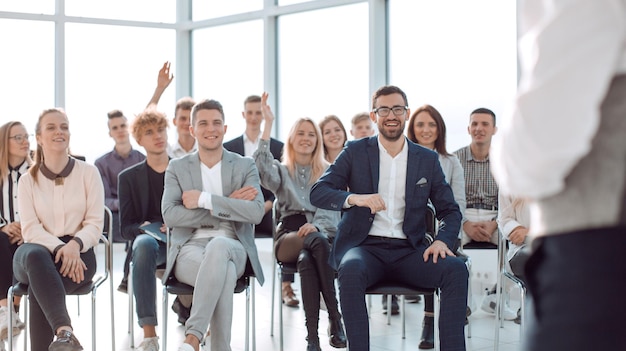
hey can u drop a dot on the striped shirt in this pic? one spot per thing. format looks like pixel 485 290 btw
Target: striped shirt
pixel 480 187
pixel 8 206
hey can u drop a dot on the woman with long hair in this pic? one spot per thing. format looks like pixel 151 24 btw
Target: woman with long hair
pixel 427 128
pixel 304 232
pixel 333 135
pixel 14 161
pixel 61 206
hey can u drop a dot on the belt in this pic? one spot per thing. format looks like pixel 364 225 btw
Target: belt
pixel 483 207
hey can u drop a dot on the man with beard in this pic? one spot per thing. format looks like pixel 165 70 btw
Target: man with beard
pixel 381 236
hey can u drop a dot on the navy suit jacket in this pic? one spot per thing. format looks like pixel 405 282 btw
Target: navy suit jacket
pixel 357 168
pixel 276 148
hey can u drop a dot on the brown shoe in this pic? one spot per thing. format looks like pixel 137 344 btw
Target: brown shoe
pixel 289 297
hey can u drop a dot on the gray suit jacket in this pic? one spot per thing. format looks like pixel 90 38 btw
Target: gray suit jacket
pixel 184 174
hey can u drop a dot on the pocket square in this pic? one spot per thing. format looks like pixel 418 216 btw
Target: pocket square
pixel 421 182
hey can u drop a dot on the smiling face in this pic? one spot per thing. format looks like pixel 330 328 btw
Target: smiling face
pixel 425 130
pixel 18 150
pixel 54 132
pixel 481 129
pixel 333 136
pixel 304 140
pixel 209 129
pixel 390 127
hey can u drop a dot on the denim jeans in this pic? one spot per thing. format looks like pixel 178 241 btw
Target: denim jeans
pixel 148 253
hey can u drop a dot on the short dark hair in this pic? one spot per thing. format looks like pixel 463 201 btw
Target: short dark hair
pixel 486 111
pixel 388 90
pixel 251 98
pixel 206 104
pixel 115 113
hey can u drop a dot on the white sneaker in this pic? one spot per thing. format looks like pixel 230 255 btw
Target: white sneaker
pixel 4 323
pixel 489 305
pixel 149 344
pixel 185 347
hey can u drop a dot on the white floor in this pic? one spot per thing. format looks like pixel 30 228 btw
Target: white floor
pixel 383 337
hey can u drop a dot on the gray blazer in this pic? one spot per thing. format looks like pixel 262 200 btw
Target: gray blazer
pixel 184 174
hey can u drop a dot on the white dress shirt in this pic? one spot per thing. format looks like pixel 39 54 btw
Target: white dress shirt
pixel 391 188
pixel 212 185
pixel 569 52
pixel 249 146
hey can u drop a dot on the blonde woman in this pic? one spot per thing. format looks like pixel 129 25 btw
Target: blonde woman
pixel 14 162
pixel 61 206
pixel 304 233
pixel 334 137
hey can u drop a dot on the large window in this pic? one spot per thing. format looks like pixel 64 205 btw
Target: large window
pixel 323 70
pixel 203 9
pixel 228 67
pixel 27 61
pixel 112 68
pixel 456 55
pixel 136 10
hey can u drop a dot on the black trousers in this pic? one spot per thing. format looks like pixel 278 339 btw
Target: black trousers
pixel 6 264
pixel 34 265
pixel 578 285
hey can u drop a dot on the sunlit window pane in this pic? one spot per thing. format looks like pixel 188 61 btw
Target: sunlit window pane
pixel 108 68
pixel 30 6
pixel 204 9
pixel 228 67
pixel 456 55
pixel 27 61
pixel 323 71
pixel 137 10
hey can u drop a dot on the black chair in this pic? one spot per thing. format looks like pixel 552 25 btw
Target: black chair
pixel 245 283
pixel 21 289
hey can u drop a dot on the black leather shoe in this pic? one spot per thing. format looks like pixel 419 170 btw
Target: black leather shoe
pixel 395 308
pixel 428 334
pixel 182 311
pixel 123 287
pixel 336 334
pixel 66 341
pixel 518 319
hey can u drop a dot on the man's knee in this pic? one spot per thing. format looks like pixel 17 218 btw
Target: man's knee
pixel 145 248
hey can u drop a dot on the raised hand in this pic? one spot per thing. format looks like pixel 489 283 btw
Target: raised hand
pixel 165 77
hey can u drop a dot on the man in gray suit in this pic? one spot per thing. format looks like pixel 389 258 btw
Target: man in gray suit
pixel 211 199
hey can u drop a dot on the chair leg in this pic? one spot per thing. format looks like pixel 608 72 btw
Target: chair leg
pixel 165 293
pixel 403 311
pixel 280 314
pixel 93 319
pixel 253 312
pixel 389 309
pixel 10 325
pixel 469 294
pixel 273 300
pixel 131 307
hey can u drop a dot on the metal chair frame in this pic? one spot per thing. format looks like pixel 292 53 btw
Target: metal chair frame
pixel 22 289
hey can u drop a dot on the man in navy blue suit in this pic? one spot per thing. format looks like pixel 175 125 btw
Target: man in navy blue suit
pixel 383 184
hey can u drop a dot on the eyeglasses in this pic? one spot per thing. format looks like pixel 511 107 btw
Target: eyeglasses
pixel 20 138
pixel 397 111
